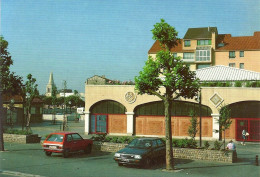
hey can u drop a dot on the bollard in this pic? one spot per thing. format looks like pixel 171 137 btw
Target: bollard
pixel 256 160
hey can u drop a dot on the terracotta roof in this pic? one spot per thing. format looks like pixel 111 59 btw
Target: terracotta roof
pixel 239 43
pixel 156 47
pixel 19 99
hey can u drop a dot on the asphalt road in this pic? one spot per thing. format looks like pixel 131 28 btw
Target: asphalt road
pixel 29 160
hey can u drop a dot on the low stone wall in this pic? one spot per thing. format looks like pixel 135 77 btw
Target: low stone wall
pixel 181 153
pixel 204 154
pixel 107 147
pixel 22 138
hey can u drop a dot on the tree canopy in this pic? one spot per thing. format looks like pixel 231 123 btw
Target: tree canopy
pixel 168 78
pixel 11 83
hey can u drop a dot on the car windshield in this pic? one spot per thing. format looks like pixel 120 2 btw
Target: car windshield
pixel 55 137
pixel 140 143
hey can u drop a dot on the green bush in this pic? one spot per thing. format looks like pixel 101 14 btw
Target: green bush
pixel 17 132
pixel 238 84
pixel 99 137
pixel 114 139
pixel 206 144
pixel 217 145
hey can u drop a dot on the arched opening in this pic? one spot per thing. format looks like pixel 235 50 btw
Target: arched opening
pixel 150 120
pixel 246 115
pixel 107 116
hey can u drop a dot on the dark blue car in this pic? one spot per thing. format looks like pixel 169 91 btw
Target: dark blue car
pixel 141 152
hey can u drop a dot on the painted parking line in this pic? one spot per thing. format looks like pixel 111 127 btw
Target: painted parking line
pixel 15 173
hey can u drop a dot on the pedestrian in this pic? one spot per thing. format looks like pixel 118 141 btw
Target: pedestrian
pixel 231 145
pixel 244 133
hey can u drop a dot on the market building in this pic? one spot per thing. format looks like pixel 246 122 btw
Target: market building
pixel 231 67
pixel 118 110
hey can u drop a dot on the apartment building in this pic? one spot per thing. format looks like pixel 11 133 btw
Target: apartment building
pixel 204 47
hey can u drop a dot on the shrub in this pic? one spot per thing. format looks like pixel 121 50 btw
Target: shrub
pixel 175 143
pixel 17 132
pixel 99 137
pixel 123 139
pixel 238 84
pixel 192 143
pixel 206 144
pixel 114 139
pixel 217 145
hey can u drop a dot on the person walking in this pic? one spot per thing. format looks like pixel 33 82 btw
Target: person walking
pixel 244 137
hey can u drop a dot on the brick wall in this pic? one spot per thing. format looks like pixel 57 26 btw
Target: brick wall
pixel 22 138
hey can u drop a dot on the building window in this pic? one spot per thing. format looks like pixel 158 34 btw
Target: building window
pixel 241 65
pixel 188 56
pixel 232 65
pixel 174 55
pixel 203 55
pixel 241 54
pixel 232 54
pixel 204 42
pixel 200 66
pixel 187 43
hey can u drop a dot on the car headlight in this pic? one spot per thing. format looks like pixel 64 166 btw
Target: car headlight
pixel 117 154
pixel 138 157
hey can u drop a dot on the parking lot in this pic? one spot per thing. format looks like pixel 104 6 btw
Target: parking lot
pixel 30 160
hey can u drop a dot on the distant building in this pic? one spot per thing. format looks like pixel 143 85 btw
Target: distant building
pixel 204 47
pixel 50 86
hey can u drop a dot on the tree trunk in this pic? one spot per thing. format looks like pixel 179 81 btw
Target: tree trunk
pixel 168 135
pixel 1 122
pixel 28 118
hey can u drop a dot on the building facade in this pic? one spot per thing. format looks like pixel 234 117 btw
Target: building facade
pixel 118 110
pixel 204 47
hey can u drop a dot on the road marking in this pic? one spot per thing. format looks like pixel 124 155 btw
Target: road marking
pixel 14 173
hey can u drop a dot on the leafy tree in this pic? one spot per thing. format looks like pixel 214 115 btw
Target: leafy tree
pixel 168 78
pixel 193 128
pixel 30 92
pixel 54 92
pixel 224 120
pixel 10 84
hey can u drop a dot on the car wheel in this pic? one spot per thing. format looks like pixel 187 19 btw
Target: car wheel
pixel 66 153
pixel 88 149
pixel 147 163
pixel 47 153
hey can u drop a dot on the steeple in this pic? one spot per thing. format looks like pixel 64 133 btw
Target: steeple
pixel 50 85
pixel 51 81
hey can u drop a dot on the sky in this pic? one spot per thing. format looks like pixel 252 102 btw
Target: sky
pixel 77 39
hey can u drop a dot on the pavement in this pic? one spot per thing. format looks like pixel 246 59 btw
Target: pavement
pixel 30 160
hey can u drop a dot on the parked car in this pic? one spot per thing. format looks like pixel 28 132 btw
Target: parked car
pixel 65 143
pixel 141 152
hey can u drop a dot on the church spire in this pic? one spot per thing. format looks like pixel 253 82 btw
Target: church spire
pixel 50 85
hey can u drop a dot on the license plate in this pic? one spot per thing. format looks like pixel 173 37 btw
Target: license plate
pixel 53 147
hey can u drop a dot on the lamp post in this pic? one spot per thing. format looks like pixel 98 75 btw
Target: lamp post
pixel 200 114
pixel 11 105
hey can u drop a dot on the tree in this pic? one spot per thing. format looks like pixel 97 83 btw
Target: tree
pixel 30 92
pixel 168 78
pixel 54 92
pixel 224 120
pixel 193 128
pixel 10 84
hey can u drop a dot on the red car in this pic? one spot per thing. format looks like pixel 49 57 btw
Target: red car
pixel 66 142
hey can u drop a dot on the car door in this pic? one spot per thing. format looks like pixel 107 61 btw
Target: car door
pixel 69 144
pixel 161 150
pixel 78 142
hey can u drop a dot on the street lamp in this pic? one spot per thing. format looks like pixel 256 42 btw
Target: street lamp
pixel 11 105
